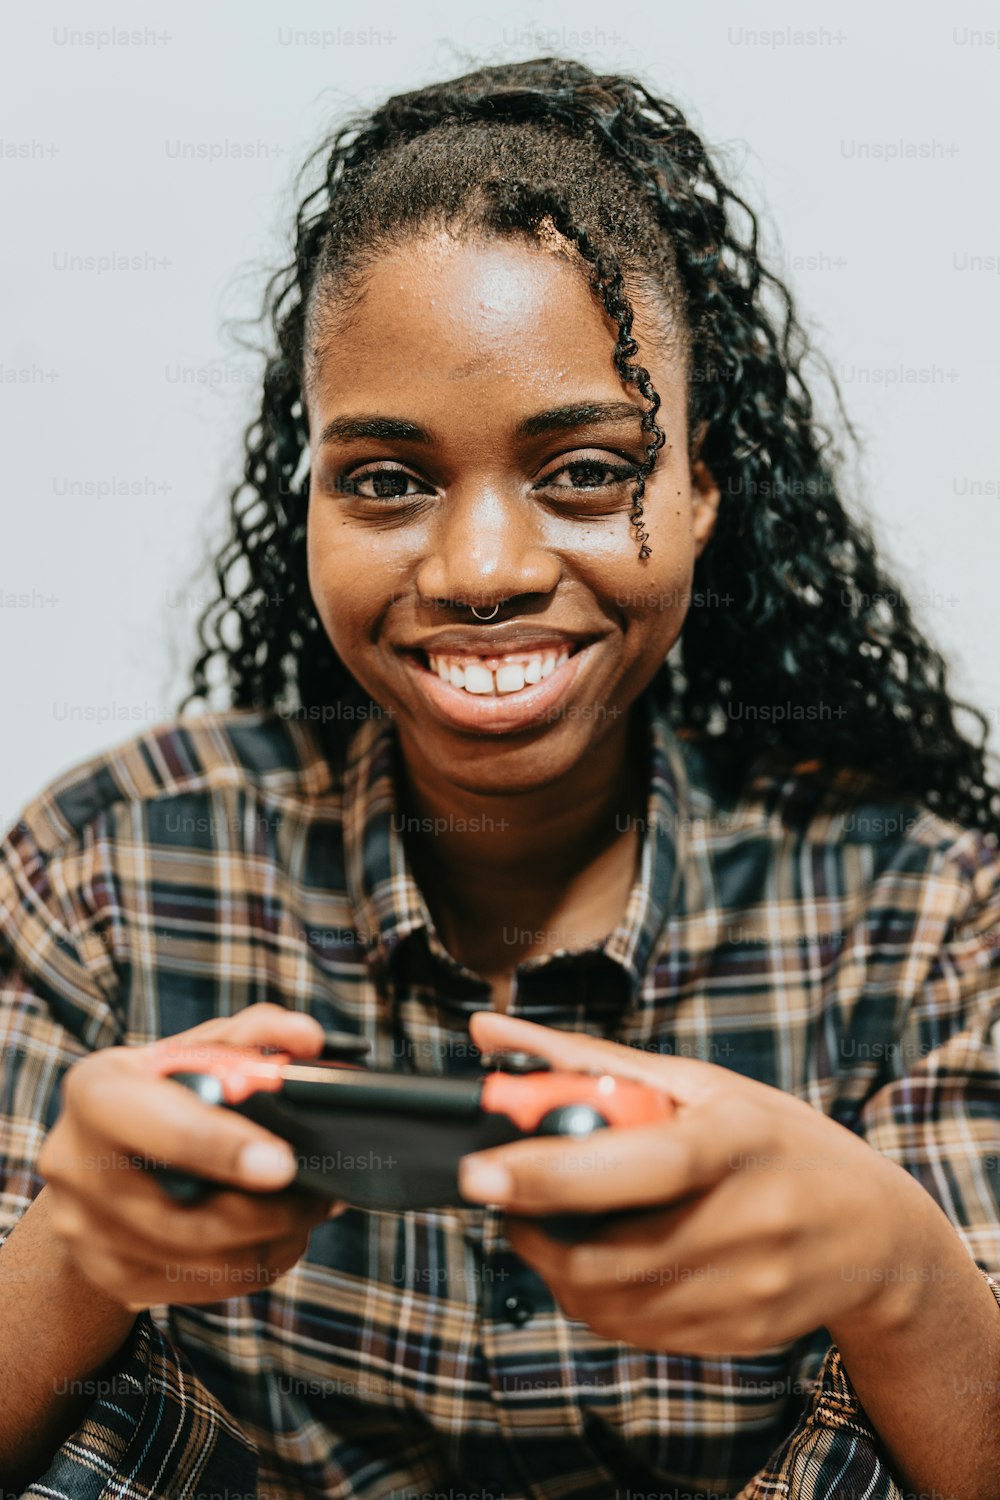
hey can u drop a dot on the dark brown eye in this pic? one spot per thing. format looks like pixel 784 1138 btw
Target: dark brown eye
pixel 378 484
pixel 590 474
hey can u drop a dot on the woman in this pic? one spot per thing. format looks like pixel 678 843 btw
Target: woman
pixel 532 423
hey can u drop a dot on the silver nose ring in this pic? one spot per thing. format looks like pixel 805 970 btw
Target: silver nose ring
pixel 494 611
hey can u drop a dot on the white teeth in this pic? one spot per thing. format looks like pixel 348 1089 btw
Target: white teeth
pixel 510 677
pixel 478 679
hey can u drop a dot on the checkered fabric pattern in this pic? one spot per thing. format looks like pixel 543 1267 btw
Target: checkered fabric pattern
pixel 797 930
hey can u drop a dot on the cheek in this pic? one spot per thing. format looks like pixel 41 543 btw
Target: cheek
pixel 671 567
pixel 357 575
pixel 668 590
pixel 341 575
pixel 650 598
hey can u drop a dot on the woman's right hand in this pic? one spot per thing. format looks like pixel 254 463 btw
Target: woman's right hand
pixel 120 1226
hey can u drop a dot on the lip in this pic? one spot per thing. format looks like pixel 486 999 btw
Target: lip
pixel 501 713
pixel 500 641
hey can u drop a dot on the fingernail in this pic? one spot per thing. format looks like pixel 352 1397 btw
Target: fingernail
pixel 267 1163
pixel 485 1181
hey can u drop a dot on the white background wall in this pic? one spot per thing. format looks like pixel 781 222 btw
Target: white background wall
pixel 125 377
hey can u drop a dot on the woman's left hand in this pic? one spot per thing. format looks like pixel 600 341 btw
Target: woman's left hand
pixel 766 1218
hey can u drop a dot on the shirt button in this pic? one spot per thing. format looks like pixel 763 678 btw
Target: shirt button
pixel 517 1310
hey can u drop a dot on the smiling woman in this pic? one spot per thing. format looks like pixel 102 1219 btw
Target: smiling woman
pixel 506 488
pixel 566 709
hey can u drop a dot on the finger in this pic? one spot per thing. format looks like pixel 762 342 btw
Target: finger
pixel 236 1274
pixel 261 1025
pixel 609 1169
pixel 140 1214
pixel 148 1281
pixel 628 1290
pixel 122 1112
pixel 635 1246
pixel 686 1079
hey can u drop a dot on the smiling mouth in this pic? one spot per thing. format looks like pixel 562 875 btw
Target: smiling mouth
pixel 500 694
pixel 496 676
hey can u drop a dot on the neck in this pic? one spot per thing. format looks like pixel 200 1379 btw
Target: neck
pixel 491 849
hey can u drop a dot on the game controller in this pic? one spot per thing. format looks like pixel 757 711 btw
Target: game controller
pixel 388 1140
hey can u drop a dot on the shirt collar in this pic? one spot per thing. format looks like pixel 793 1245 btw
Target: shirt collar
pixel 390 906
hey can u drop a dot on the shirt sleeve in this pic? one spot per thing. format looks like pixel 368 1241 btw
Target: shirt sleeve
pixel 153 1429
pixel 939 1118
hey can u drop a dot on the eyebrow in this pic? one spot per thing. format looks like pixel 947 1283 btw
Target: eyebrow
pixel 558 419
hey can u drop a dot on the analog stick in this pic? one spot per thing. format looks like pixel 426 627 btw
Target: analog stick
pixel 577 1120
pixel 571 1119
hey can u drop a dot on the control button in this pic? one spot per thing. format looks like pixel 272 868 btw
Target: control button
pixel 517 1309
pixel 516 1062
pixel 571 1119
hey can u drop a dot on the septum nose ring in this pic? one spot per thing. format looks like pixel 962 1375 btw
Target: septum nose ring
pixel 493 612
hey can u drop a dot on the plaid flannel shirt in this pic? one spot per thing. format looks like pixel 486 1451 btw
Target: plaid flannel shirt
pixel 798 931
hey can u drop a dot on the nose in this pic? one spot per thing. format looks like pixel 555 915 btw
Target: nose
pixel 486 545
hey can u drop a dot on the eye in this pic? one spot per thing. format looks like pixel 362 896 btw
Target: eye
pixel 386 483
pixel 589 474
pixel 378 484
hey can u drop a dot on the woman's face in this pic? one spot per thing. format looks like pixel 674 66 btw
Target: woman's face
pixel 472 443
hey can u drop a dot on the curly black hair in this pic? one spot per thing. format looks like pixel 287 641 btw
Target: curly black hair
pixel 797 646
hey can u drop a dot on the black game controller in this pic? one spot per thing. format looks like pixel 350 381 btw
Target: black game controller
pixel 385 1140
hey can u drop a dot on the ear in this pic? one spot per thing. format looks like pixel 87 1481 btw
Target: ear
pixel 705 496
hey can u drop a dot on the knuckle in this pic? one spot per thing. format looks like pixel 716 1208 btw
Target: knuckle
pixel 580 1267
pixel 762 1126
pixel 263 1010
pixel 87 1084
pixel 67 1222
pixel 732 1108
pixel 105 1269
pixel 771 1283
pixel 785 1213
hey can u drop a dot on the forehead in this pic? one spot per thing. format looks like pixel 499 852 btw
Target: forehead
pixel 515 313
